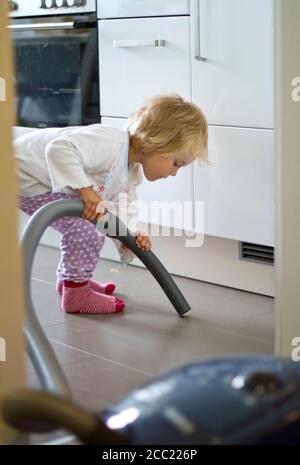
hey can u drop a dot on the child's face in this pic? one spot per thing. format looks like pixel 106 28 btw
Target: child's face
pixel 157 165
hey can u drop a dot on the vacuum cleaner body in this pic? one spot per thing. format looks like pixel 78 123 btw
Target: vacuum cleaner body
pixel 228 401
pixel 245 400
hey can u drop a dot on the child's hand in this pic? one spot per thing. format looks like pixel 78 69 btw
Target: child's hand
pixel 143 242
pixel 91 199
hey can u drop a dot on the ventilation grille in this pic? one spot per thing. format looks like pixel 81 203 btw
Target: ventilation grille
pixel 257 253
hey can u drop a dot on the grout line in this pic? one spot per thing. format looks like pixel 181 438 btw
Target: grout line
pixel 258 315
pixel 101 357
pixel 43 281
pixel 237 333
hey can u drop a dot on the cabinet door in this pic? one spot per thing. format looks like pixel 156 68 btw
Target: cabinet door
pixel 176 209
pixel 169 202
pixel 133 8
pixel 238 190
pixel 140 58
pixel 232 61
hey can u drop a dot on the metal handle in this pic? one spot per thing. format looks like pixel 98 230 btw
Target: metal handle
pixel 53 26
pixel 198 55
pixel 139 43
pixel 41 26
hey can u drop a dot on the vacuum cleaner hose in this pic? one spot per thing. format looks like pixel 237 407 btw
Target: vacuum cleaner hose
pixel 32 411
pixel 42 356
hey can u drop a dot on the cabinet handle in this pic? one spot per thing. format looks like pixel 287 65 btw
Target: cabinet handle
pixel 139 43
pixel 198 55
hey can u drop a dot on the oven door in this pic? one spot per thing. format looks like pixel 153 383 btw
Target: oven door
pixel 56 71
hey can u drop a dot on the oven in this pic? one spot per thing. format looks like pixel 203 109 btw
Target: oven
pixel 56 62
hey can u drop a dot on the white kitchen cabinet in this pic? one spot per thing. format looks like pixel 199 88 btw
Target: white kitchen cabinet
pixel 134 8
pixel 232 61
pixel 169 202
pixel 173 191
pixel 239 188
pixel 142 57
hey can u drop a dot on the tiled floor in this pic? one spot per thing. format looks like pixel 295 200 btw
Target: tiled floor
pixel 104 356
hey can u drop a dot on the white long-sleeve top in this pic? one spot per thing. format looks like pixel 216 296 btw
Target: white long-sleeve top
pixel 65 159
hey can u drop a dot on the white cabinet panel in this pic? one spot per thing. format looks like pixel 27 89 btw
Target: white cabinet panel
pixel 132 67
pixel 234 86
pixel 132 8
pixel 239 187
pixel 169 191
pixel 169 202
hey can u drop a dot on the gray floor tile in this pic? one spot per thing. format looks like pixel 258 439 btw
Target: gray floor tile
pixel 96 383
pixel 64 355
pixel 46 303
pixel 152 348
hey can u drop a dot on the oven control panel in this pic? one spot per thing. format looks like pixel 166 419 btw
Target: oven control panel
pixel 25 9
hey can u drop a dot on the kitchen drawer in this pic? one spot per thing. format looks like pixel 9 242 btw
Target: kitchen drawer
pixel 173 189
pixel 169 202
pixel 134 8
pixel 239 188
pixel 133 68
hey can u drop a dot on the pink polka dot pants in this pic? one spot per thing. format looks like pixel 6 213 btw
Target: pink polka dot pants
pixel 80 244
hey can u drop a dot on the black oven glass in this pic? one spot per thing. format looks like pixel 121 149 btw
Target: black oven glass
pixel 56 71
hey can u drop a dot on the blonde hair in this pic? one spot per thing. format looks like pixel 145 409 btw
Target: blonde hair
pixel 167 123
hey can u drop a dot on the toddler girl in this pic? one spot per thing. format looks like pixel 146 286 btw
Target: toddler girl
pixel 97 163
